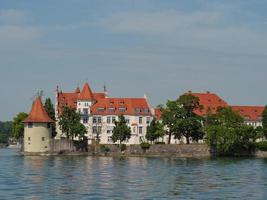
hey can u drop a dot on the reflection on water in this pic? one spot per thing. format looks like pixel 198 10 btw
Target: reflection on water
pixel 69 177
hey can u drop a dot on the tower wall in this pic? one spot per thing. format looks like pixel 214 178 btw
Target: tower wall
pixel 37 139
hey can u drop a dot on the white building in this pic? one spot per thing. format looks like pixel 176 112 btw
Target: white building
pixel 99 112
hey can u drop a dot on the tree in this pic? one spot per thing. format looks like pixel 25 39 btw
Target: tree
pixel 18 125
pixel 5 131
pixel 69 122
pixel 154 131
pixel 264 121
pixel 181 120
pixel 49 107
pixel 227 134
pixel 121 131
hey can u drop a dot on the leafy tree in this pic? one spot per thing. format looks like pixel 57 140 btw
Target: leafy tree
pixel 154 131
pixel 121 131
pixel 69 122
pixel 18 125
pixel 264 121
pixel 5 132
pixel 49 107
pixel 181 120
pixel 227 134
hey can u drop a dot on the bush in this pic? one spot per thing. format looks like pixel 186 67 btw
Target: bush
pixel 104 148
pixel 145 146
pixel 262 146
pixel 123 147
pixel 159 142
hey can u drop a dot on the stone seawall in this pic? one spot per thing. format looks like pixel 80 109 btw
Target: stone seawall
pixel 162 150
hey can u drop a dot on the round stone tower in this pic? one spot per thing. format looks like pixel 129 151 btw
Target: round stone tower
pixel 37 129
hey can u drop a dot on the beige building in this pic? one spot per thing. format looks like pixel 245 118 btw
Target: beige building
pixel 37 129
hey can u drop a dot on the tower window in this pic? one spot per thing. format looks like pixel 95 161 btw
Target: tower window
pixel 29 138
pixel 48 125
pixel 43 138
pixel 30 125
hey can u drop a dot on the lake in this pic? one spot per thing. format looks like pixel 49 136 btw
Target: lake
pixel 77 177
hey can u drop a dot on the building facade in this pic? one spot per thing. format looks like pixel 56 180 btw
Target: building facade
pixel 99 112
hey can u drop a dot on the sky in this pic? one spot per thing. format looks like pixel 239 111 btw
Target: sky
pixel 155 47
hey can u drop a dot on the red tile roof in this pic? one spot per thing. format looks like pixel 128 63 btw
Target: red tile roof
pixel 99 95
pixel 67 99
pixel 250 113
pixel 210 102
pixel 38 113
pixel 121 106
pixel 157 113
pixel 86 93
pixel 77 90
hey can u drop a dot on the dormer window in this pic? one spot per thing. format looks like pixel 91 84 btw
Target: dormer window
pixel 111 110
pixel 145 110
pixel 101 109
pixel 137 110
pixel 121 102
pixel 122 109
pixel 30 125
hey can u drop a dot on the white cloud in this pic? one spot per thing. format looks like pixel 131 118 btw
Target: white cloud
pixel 18 32
pixel 12 16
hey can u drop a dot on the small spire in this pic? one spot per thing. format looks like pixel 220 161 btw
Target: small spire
pixel 77 90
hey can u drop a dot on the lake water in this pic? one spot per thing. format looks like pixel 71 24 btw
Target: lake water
pixel 69 177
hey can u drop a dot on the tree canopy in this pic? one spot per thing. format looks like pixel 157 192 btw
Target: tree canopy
pixel 18 125
pixel 5 131
pixel 121 131
pixel 49 107
pixel 264 121
pixel 154 131
pixel 69 122
pixel 181 120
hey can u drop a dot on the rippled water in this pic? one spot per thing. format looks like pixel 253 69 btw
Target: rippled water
pixel 66 177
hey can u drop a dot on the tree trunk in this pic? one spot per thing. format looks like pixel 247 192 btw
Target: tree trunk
pixel 169 139
pixel 187 140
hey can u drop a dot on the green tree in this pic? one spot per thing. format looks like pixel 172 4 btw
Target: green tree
pixel 154 131
pixel 181 120
pixel 264 121
pixel 121 131
pixel 18 125
pixel 69 122
pixel 49 107
pixel 227 134
pixel 5 132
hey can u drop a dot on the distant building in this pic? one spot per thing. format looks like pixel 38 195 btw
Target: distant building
pixel 37 129
pixel 99 113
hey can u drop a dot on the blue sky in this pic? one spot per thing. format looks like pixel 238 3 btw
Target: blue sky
pixel 158 47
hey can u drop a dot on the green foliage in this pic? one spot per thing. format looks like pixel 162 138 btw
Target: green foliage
pixel 262 146
pixel 5 132
pixel 154 131
pixel 69 122
pixel 49 107
pixel 264 121
pixel 18 125
pixel 104 148
pixel 145 146
pixel 123 147
pixel 159 142
pixel 121 131
pixel 227 134
pixel 180 119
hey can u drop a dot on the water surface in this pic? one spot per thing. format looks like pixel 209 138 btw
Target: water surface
pixel 74 177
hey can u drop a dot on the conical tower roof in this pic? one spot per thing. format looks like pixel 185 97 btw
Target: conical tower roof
pixel 38 113
pixel 86 93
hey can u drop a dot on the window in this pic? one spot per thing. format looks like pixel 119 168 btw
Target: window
pixel 30 125
pixel 108 120
pixel 85 120
pixel 99 129
pixel 148 120
pixel 48 125
pixel 29 138
pixel 145 110
pixel 94 120
pixel 101 109
pixel 122 109
pixel 140 120
pixel 140 130
pixel 134 129
pixel 113 120
pixel 127 121
pixel 94 129
pixel 43 138
pixel 111 110
pixel 110 139
pixel 99 120
pixel 137 110
pixel 109 131
pixel 85 111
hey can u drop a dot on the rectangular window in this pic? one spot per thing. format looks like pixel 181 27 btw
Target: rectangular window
pixel 43 138
pixel 99 120
pixel 85 111
pixel 30 125
pixel 127 121
pixel 101 109
pixel 110 139
pixel 140 130
pixel 48 125
pixel 113 120
pixel 85 120
pixel 108 120
pixel 29 138
pixel 134 129
pixel 94 120
pixel 140 120
pixel 148 120
pixel 122 109
pixel 111 110
pixel 99 129
pixel 94 129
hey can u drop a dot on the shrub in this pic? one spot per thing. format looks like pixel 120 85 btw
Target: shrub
pixel 123 147
pixel 104 148
pixel 159 142
pixel 262 146
pixel 145 146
